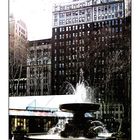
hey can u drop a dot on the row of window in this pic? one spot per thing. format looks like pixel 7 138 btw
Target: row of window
pixel 73 55
pixel 19 86
pixel 73 6
pixel 39 70
pixel 38 91
pixel 41 61
pixel 84 34
pixel 114 108
pixel 115 10
pixel 83 26
pixel 40 43
pixel 33 81
pixel 89 18
pixel 38 53
pixel 101 10
pixel 97 39
pixel 114 6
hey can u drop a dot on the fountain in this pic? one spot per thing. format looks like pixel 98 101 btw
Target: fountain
pixel 80 126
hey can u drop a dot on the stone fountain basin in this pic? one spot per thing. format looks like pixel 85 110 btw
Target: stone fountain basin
pixel 57 137
pixel 79 107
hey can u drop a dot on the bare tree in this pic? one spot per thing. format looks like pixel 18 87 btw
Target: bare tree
pixel 17 64
pixel 37 69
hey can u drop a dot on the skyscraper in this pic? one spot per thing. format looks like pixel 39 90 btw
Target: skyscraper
pixel 78 26
pixel 93 35
pixel 17 56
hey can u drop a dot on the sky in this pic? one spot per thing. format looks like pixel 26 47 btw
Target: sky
pixel 37 15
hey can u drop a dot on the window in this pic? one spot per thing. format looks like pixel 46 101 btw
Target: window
pixel 73 34
pixel 102 61
pixel 116 14
pixel 112 15
pixel 102 38
pixel 105 9
pixel 112 30
pixel 74 20
pixel 82 4
pixel 109 16
pixel 88 17
pixel 75 6
pixel 99 10
pixel 116 29
pixel 61 22
pixel 88 25
pixel 70 28
pixel 112 8
pixel 120 14
pixel 81 12
pixel 68 14
pixel 75 13
pixel 62 7
pixel 45 52
pixel 63 36
pixel 55 44
pixel 116 116
pixel 95 17
pixel 120 6
pixel 116 6
pixel 73 27
pixel 121 107
pixel 61 15
pixel 55 58
pixel 88 33
pixel 55 37
pixel 55 15
pixel 31 54
pixel 38 53
pixel 102 16
pixel 120 21
pixel 109 23
pixel 112 22
pixel 68 21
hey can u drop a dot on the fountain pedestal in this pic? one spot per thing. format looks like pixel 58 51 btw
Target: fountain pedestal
pixel 78 126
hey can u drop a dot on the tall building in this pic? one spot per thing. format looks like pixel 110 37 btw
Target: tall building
pixel 39 67
pixel 75 25
pixel 17 56
pixel 91 34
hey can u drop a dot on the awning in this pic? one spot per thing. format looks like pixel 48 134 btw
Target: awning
pixel 14 112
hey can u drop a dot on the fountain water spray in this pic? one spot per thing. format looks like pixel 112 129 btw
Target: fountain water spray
pixel 82 104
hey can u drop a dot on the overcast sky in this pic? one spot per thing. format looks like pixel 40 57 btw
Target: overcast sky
pixel 37 14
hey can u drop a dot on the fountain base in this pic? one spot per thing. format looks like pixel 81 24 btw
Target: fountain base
pixel 79 126
pixel 57 137
pixel 79 107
